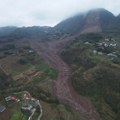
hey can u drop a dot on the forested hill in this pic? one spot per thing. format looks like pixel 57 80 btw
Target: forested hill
pixel 96 72
pixel 96 20
pixel 93 21
pixel 35 32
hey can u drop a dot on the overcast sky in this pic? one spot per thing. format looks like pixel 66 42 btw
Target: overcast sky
pixel 48 12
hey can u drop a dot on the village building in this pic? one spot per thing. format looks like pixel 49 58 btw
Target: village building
pixel 29 108
pixel 10 98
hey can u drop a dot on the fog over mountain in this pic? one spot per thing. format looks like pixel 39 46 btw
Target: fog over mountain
pixel 95 20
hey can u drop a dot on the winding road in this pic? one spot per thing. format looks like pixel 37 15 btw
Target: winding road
pixel 26 93
pixel 50 51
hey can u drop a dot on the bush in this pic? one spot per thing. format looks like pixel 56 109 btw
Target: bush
pixel 22 61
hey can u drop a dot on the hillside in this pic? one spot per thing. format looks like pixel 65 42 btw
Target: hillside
pixel 93 21
pixel 96 72
pixel 97 20
pixel 35 32
pixel 71 25
pixel 73 69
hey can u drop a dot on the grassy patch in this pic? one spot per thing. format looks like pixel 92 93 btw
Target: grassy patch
pixel 18 115
pixel 47 73
pixel 42 67
pixel 52 73
pixel 42 78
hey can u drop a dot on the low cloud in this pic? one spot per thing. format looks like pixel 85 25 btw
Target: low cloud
pixel 48 12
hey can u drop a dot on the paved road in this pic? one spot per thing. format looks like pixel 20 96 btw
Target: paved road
pixel 41 111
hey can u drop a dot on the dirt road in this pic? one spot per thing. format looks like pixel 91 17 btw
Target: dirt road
pixel 64 91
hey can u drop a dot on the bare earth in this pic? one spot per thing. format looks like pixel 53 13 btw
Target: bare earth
pixel 64 91
pixel 6 114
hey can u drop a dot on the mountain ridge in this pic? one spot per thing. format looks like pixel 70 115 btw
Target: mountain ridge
pixel 94 21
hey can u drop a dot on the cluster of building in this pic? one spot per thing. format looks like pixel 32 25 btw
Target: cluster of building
pixel 106 47
pixel 108 43
pixel 30 107
pixel 6 102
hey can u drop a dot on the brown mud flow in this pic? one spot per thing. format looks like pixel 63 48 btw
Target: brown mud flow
pixel 50 51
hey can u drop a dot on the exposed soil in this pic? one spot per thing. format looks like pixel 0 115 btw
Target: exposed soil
pixel 6 114
pixel 64 91
pixel 92 24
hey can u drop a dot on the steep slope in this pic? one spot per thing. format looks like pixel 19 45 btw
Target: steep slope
pixel 72 25
pixel 118 17
pixel 118 22
pixel 94 21
pixel 95 75
pixel 108 21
